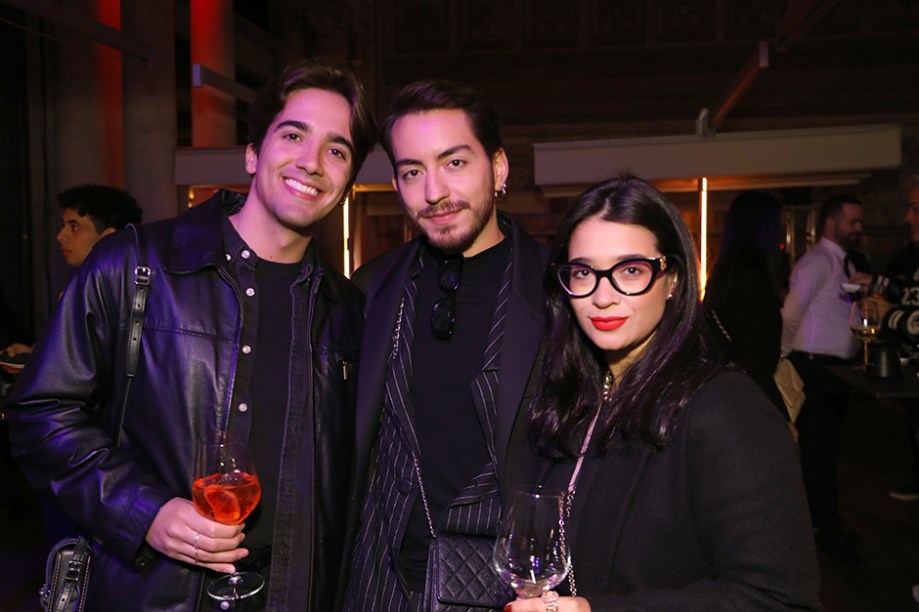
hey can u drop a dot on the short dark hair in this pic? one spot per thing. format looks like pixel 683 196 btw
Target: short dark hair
pixel 660 383
pixel 832 208
pixel 435 94
pixel 105 206
pixel 309 74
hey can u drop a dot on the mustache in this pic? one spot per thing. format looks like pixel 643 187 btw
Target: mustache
pixel 450 206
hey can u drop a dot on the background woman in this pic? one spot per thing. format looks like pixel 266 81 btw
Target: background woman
pixel 744 289
pixel 689 496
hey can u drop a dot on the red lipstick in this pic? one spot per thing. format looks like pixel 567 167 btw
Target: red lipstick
pixel 608 323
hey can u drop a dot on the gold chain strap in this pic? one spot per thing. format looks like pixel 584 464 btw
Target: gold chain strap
pixel 569 495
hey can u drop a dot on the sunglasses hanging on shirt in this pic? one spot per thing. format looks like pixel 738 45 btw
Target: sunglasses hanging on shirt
pixel 443 315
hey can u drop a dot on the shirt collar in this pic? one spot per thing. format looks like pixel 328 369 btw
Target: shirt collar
pixel 237 250
pixel 833 247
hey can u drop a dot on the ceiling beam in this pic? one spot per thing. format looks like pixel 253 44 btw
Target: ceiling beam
pixel 202 75
pixel 814 151
pixel 799 17
pixel 756 62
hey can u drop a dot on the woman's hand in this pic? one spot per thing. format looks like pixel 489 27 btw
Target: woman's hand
pixel 549 602
pixel 178 531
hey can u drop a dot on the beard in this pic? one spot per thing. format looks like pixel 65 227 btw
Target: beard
pixel 852 240
pixel 447 238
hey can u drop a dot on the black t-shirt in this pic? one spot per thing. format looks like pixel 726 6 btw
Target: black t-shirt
pixel 450 434
pixel 268 389
pixel 903 272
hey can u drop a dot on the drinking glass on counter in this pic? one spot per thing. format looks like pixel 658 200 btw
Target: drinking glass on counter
pixel 864 322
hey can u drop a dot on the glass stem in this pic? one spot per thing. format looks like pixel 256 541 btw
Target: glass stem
pixel 235 581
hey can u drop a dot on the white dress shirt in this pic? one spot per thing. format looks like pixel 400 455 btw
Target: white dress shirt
pixel 815 316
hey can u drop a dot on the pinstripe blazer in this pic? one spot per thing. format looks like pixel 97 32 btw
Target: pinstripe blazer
pixel 384 281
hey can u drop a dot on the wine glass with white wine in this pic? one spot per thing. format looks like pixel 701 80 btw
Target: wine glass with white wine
pixel 864 322
pixel 530 552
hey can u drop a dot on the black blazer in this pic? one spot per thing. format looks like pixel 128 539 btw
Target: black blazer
pixel 717 520
pixel 383 281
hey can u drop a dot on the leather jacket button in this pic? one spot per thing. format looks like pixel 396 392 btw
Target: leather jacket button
pixel 243 407
pixel 246 349
pixel 405 486
pixel 246 253
pixel 250 291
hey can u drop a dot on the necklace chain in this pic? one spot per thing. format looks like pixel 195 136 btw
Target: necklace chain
pixel 607 386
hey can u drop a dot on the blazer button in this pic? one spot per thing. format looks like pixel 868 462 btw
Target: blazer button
pixel 405 486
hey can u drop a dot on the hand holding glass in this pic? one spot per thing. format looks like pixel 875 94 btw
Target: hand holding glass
pixel 864 322
pixel 226 490
pixel 529 553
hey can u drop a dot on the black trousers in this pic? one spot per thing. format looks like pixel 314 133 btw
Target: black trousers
pixel 819 432
pixel 911 409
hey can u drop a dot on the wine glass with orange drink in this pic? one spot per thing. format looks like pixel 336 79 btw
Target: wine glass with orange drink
pixel 226 490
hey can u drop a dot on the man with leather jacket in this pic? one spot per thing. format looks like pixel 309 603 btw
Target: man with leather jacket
pixel 248 334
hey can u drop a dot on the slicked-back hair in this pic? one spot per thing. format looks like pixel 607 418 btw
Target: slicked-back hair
pixel 432 95
pixel 832 208
pixel 104 205
pixel 309 74
pixel 653 390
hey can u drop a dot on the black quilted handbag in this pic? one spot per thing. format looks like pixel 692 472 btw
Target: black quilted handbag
pixel 461 577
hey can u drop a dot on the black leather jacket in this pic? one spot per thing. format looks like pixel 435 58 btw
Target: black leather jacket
pixel 61 422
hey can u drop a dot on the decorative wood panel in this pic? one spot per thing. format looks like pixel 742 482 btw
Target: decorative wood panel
pixel 685 21
pixel 617 22
pixel 843 18
pixel 551 23
pixel 752 19
pixel 486 25
pixel 421 26
pixel 895 15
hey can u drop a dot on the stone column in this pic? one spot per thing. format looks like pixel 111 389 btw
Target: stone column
pixel 150 109
pixel 213 46
pixel 87 103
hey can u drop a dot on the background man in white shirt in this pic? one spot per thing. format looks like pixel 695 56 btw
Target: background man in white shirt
pixel 815 333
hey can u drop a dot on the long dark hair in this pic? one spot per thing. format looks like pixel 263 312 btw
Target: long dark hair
pixel 655 388
pixel 752 239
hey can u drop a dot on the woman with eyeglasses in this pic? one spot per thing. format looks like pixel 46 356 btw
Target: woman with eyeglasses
pixel 681 484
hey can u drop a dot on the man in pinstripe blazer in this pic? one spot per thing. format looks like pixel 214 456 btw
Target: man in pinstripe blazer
pixel 454 320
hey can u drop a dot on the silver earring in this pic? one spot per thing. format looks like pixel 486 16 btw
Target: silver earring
pixel 500 195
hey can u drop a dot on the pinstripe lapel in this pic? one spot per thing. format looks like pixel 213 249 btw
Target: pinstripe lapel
pixel 524 328
pixel 382 306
